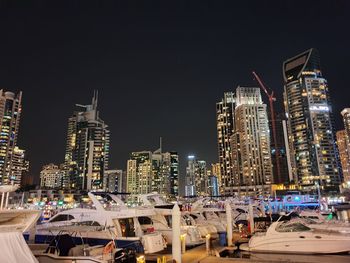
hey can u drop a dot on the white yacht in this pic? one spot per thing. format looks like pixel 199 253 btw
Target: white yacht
pixel 12 225
pixel 296 237
pixel 161 221
pixel 115 221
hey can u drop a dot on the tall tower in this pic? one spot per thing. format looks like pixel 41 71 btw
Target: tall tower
pixel 225 125
pixel 251 142
pixel 87 149
pixel 196 177
pixel 153 172
pixel 344 155
pixel 310 123
pixel 10 111
pixel 343 142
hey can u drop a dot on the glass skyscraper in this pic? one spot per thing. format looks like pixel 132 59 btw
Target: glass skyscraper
pixel 87 149
pixel 308 108
pixel 10 111
pixel 225 124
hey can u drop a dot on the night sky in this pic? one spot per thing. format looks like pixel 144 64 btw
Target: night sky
pixel 159 67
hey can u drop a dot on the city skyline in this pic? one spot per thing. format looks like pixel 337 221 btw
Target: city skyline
pixel 137 91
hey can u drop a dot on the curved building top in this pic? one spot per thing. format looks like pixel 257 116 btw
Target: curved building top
pixel 307 61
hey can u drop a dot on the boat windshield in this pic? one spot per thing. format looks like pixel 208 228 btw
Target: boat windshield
pixel 292 227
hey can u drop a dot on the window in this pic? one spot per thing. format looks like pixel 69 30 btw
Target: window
pixel 127 227
pixel 168 218
pixel 293 227
pixel 60 218
pixel 145 220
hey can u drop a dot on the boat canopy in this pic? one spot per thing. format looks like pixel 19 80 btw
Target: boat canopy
pixel 15 249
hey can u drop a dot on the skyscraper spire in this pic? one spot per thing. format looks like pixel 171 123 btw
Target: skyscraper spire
pixel 160 144
pixel 94 100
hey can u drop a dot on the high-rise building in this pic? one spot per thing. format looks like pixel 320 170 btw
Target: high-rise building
pixel 250 143
pixel 310 123
pixel 10 111
pixel 213 187
pixel 19 165
pixel 196 177
pixel 225 124
pixel 51 176
pixel 344 154
pixel 216 171
pixel 343 141
pixel 87 150
pixel 113 181
pixel 153 172
pixel 282 152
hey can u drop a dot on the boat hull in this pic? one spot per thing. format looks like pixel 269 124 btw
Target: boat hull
pixel 296 246
pixel 93 241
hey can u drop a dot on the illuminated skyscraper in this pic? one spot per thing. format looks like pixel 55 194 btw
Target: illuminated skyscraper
pixel 196 177
pixel 310 123
pixel 250 142
pixel 51 176
pixel 344 154
pixel 87 150
pixel 225 124
pixel 343 141
pixel 10 111
pixel 19 165
pixel 153 172
pixel 282 152
pixel 216 171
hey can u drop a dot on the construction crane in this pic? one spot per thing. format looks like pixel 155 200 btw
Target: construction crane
pixel 272 99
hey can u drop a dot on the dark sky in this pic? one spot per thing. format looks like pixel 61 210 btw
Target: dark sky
pixel 159 67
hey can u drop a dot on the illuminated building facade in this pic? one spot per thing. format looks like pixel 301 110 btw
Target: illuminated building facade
pixel 213 187
pixel 153 172
pixel 113 181
pixel 250 143
pixel 19 166
pixel 51 176
pixel 196 177
pixel 10 111
pixel 87 149
pixel 216 171
pixel 282 152
pixel 310 123
pixel 343 141
pixel 225 124
pixel 343 147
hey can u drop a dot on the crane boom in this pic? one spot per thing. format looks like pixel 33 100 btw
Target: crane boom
pixel 272 99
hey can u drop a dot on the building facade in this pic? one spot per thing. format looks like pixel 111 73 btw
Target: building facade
pixel 225 125
pixel 283 176
pixel 344 155
pixel 343 142
pixel 153 172
pixel 216 171
pixel 51 176
pixel 196 177
pixel 87 149
pixel 250 143
pixel 113 181
pixel 19 166
pixel 310 123
pixel 10 112
pixel 213 187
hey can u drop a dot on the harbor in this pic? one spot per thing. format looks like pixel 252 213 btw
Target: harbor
pixel 154 230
